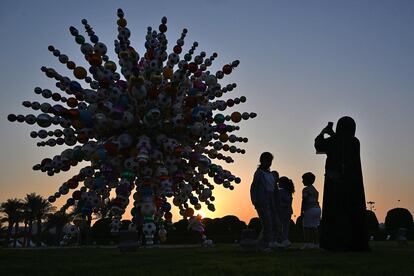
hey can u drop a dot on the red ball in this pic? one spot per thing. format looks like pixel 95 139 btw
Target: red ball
pixel 189 212
pixel 227 69
pixel 177 49
pixel 76 195
pixel 162 28
pixel 71 65
pixel 149 54
pixel 73 184
pixel 56 96
pixel 95 60
pixel 168 216
pixel 192 67
pixel 72 102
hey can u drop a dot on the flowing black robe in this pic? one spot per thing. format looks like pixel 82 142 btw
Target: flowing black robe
pixel 343 225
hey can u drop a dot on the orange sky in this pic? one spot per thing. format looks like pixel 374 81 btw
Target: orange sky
pixel 20 181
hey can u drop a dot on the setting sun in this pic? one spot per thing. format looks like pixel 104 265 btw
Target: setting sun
pixel 199 212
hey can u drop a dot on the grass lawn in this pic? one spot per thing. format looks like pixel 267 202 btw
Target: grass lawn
pixel 386 258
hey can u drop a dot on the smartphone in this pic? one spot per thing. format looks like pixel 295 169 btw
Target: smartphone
pixel 330 127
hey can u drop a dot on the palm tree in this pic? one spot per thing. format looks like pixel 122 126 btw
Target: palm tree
pixel 25 216
pixel 2 229
pixel 19 218
pixel 12 209
pixel 31 202
pixel 39 208
pixel 58 220
pixel 46 208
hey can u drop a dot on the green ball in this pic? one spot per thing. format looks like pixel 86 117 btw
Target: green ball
pixel 79 39
pixel 219 118
pixel 187 57
pixel 213 168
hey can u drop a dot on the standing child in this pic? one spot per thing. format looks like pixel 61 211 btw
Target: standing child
pixel 262 196
pixel 277 224
pixel 285 194
pixel 310 211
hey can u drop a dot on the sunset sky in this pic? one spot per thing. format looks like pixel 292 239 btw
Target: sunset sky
pixel 302 64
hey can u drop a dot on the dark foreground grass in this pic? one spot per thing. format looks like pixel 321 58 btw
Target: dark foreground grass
pixel 386 258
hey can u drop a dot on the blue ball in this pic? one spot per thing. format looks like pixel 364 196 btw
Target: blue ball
pixel 86 117
pixel 94 38
pixel 193 200
pixel 99 183
pixel 70 201
pixel 166 207
pixel 75 86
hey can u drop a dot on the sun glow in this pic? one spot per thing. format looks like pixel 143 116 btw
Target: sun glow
pixel 200 212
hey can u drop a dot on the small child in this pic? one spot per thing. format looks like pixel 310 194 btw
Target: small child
pixel 277 224
pixel 286 190
pixel 310 211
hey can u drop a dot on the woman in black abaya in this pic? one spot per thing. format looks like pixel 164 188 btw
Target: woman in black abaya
pixel 343 225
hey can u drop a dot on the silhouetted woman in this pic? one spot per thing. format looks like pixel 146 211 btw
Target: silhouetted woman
pixel 262 196
pixel 343 225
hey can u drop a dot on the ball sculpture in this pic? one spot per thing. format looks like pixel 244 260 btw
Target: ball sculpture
pixel 149 125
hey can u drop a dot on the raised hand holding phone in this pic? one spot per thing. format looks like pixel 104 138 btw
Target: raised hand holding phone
pixel 328 129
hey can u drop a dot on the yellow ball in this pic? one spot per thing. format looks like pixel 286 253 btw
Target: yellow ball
pixel 80 73
pixel 110 65
pixel 122 22
pixel 223 137
pixel 236 117
pixel 212 153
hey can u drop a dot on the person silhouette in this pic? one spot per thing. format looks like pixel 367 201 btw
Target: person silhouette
pixel 310 212
pixel 262 197
pixel 287 188
pixel 343 225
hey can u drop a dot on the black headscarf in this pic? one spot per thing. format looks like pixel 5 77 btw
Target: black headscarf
pixel 346 127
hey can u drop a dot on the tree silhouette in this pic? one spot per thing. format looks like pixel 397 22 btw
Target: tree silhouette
pixel 39 208
pixel 12 209
pixel 58 220
pixel 231 227
pixel 372 222
pixel 31 205
pixel 2 227
pixel 255 224
pixel 398 218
